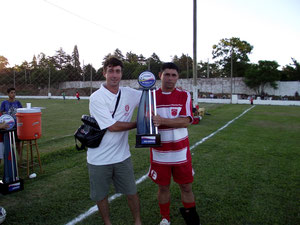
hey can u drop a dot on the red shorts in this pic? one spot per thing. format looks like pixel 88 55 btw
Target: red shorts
pixel 161 173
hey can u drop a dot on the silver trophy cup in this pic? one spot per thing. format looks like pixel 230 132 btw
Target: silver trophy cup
pixel 147 134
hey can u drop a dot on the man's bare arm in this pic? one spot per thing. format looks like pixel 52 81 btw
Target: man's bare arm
pixel 180 122
pixel 122 126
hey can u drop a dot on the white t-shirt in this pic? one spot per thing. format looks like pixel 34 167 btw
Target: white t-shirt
pixel 114 146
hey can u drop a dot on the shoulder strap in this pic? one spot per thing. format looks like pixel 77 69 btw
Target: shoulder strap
pixel 117 103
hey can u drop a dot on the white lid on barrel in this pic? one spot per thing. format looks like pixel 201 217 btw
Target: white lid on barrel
pixel 29 110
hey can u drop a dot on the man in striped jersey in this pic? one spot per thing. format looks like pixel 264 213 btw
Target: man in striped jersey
pixel 173 158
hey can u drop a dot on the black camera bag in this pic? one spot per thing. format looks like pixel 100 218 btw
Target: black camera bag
pixel 89 133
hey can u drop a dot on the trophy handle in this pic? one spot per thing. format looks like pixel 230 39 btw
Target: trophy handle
pixel 150 111
pixel 154 107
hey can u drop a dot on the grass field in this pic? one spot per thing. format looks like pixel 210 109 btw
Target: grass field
pixel 247 173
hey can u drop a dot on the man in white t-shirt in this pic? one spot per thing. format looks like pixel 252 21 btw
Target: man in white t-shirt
pixel 111 161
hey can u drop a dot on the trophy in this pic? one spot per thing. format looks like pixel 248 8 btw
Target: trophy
pixel 147 134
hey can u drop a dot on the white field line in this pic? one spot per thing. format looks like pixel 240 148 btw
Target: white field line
pixel 226 125
pixel 144 177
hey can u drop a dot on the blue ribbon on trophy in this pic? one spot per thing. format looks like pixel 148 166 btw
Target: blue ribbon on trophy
pixel 147 134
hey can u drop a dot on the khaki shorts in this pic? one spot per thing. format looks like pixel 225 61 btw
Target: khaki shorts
pixel 101 177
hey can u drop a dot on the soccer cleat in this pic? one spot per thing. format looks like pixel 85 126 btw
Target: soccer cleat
pixel 190 216
pixel 164 222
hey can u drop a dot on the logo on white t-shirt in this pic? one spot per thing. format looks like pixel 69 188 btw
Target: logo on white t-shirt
pixel 126 110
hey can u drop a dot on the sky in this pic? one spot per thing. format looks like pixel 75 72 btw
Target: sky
pixel 163 27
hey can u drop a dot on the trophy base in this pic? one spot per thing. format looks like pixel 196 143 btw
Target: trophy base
pixel 147 140
pixel 7 188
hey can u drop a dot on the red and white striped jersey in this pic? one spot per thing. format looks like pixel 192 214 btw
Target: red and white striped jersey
pixel 175 147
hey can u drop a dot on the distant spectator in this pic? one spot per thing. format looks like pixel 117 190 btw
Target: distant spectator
pixel 251 100
pixel 64 95
pixel 10 107
pixel 77 95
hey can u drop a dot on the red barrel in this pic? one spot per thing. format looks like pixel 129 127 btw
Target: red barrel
pixel 29 124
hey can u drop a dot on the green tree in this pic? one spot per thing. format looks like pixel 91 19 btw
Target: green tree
pixel 53 67
pixel 118 54
pixel 40 77
pixel 291 72
pixel 211 70
pixel 131 57
pixel 76 61
pixel 185 65
pixel 133 70
pixel 87 71
pixel 39 74
pixel 142 60
pixel 154 64
pixel 232 48
pixel 5 72
pixel 61 59
pixel 3 63
pixel 99 74
pixel 26 67
pixel 106 57
pixel 64 69
pixel 257 76
pixel 42 60
pixel 34 63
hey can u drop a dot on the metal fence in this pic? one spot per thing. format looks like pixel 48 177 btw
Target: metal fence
pixel 40 81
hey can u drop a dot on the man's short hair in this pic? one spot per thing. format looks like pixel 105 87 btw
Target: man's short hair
pixel 112 61
pixel 10 89
pixel 169 65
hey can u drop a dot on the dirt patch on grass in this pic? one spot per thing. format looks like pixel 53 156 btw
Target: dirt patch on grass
pixel 275 125
pixel 285 113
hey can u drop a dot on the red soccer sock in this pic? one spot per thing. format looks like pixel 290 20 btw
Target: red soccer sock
pixel 188 205
pixel 165 210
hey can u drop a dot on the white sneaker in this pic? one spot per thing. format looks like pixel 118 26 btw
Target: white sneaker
pixel 164 222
